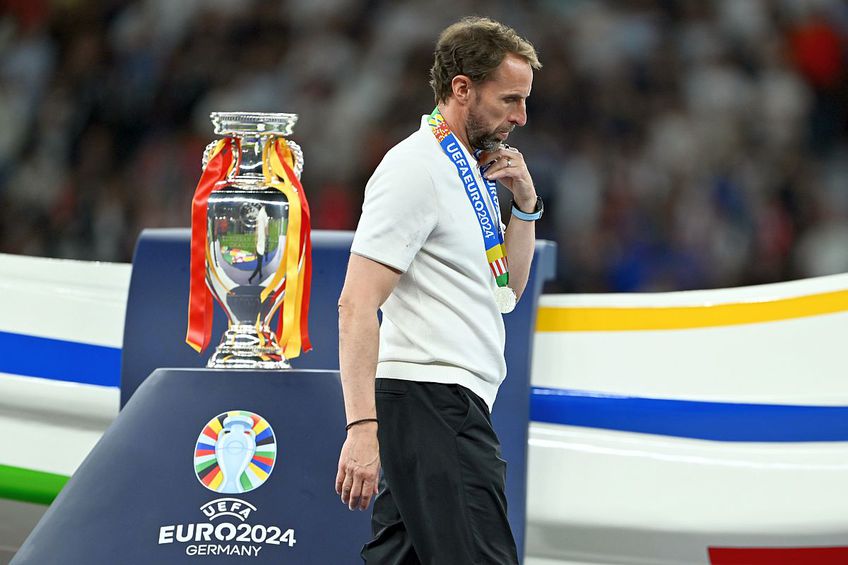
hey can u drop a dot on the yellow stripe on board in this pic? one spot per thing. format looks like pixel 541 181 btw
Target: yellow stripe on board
pixel 587 319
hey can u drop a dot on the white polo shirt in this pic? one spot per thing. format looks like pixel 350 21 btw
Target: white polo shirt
pixel 441 323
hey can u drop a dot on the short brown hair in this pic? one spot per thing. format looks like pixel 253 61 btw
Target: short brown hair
pixel 475 47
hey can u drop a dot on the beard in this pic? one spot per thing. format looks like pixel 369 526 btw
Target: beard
pixel 481 137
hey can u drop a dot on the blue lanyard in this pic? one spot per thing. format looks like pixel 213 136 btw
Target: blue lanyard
pixel 492 234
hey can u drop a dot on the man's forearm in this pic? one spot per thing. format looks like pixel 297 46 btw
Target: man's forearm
pixel 520 240
pixel 359 333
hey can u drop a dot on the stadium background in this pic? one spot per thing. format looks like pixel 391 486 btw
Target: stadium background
pixel 678 144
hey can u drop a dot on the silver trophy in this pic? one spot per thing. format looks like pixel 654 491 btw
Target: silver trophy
pixel 246 240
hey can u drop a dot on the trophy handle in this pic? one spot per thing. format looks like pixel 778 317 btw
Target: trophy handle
pixel 207 154
pixel 298 157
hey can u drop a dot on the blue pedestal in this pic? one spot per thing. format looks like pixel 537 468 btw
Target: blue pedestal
pixel 139 486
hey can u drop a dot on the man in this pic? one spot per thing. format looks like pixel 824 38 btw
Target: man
pixel 428 252
pixel 261 236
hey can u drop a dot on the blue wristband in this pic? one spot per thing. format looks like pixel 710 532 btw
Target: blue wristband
pixel 532 216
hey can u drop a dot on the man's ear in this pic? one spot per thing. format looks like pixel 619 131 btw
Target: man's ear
pixel 462 87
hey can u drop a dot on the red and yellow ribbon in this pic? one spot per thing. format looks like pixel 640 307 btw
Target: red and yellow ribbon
pixel 200 307
pixel 296 266
pixel 304 286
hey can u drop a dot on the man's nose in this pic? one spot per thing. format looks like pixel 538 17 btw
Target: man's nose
pixel 519 115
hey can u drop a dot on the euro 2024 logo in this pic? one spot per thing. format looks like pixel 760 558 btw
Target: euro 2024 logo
pixel 235 453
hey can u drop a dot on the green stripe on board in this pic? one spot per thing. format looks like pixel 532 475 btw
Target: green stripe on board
pixel 27 485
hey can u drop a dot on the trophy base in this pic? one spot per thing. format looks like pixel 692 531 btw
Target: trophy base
pixel 245 346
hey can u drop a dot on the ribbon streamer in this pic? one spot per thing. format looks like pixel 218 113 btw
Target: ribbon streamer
pixel 296 264
pixel 200 307
pixel 304 287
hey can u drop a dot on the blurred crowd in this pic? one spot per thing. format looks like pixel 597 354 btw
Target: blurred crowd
pixel 678 144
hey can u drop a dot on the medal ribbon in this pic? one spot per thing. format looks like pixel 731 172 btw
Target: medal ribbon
pixel 296 266
pixel 493 237
pixel 200 307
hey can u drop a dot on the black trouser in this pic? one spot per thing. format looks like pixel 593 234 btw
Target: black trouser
pixel 441 499
pixel 258 269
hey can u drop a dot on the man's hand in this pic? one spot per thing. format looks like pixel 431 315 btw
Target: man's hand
pixel 510 169
pixel 359 466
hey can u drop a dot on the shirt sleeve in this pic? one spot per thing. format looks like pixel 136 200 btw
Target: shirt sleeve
pixel 398 214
